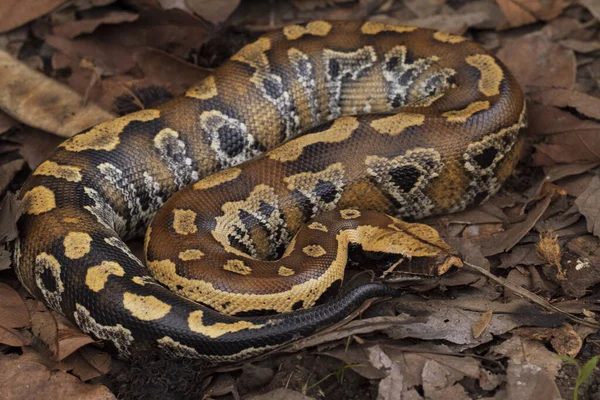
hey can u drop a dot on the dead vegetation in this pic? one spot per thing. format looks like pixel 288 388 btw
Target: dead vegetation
pixel 490 331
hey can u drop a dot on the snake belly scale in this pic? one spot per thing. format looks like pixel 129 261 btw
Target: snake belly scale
pixel 252 186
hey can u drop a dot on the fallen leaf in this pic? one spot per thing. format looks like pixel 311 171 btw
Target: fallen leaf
pixel 281 394
pixel 391 387
pixel 75 28
pixel 588 204
pixel 438 384
pixel 87 363
pixel 523 12
pixel 12 337
pixel 555 65
pixel 527 381
pixel 31 380
pixel 504 241
pixel 39 101
pixel 580 261
pixel 593 6
pixel 581 46
pixel 14 13
pixel 479 326
pixel 521 351
pixel 13 312
pixel 215 11
pixel 585 104
pixel 6 122
pixel 59 336
pixel 565 340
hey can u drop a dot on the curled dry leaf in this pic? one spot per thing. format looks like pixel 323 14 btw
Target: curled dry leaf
pixel 39 101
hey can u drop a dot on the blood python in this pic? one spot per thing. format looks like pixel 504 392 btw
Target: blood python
pixel 341 122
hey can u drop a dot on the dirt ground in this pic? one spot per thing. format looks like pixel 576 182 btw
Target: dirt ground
pixel 494 330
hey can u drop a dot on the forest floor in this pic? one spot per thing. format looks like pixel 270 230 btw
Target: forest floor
pixel 468 334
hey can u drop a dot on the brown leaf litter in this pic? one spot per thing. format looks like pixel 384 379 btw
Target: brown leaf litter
pixel 490 330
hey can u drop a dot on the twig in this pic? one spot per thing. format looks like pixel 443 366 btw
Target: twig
pixel 532 296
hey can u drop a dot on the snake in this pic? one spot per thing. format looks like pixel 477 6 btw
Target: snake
pixel 254 189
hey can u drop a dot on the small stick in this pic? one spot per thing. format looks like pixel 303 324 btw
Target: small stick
pixel 532 296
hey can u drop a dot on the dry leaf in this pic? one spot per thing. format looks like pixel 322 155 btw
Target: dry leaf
pixel 565 340
pixel 281 394
pixel 593 6
pixel 31 380
pixel 583 103
pixel 482 323
pixel 523 12
pixel 87 363
pixel 75 28
pixel 215 11
pixel 555 65
pixel 14 13
pixel 13 312
pixel 581 46
pixel 527 381
pixel 392 385
pixel 39 101
pixel 589 206
pixel 501 242
pixel 59 335
pixel 522 351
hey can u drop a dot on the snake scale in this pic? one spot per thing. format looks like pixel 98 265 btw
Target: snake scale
pixel 252 187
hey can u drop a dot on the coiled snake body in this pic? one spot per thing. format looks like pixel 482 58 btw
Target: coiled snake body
pixel 400 120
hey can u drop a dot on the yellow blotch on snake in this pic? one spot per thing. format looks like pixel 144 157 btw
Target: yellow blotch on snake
pixel 373 28
pixel 316 28
pixel 318 226
pixel 96 277
pixel 396 124
pixel 205 90
pixel 237 266
pixel 145 308
pixel 105 136
pixel 196 324
pixel 341 130
pixel 38 200
pixel 217 179
pixel 66 172
pixel 314 250
pixel 462 115
pixel 77 244
pixel 184 221
pixel 349 214
pixel 190 254
pixel 285 271
pixel 490 71
pixel 446 37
